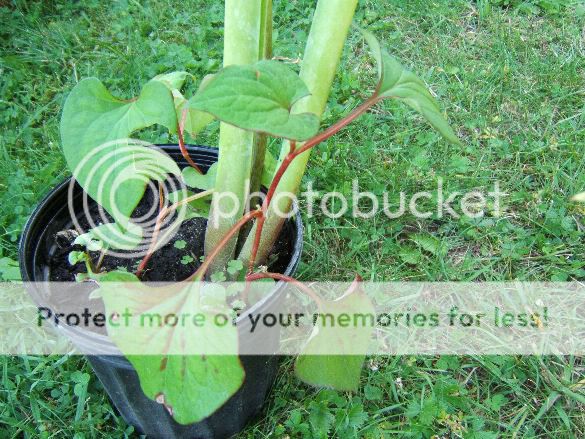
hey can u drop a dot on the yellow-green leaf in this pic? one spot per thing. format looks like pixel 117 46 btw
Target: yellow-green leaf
pixel 340 370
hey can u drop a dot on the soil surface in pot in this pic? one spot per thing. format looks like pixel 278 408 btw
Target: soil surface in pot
pixel 167 264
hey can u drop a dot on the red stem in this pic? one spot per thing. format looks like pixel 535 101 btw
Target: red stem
pixel 278 276
pixel 333 129
pixel 161 197
pixel 163 213
pixel 294 152
pixel 180 130
pixel 226 238
pixel 159 219
pixel 260 214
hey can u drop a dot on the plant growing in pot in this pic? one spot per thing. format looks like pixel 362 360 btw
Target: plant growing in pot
pixel 254 98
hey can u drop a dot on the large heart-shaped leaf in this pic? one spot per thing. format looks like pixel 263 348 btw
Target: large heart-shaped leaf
pixel 397 82
pixel 95 127
pixel 333 356
pixel 259 98
pixel 192 385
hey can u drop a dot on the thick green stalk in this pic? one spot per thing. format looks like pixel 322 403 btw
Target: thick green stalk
pixel 260 140
pixel 242 33
pixel 265 48
pixel 325 43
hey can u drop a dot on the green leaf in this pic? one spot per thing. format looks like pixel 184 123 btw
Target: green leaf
pixel 9 270
pixel 187 259
pixel 180 244
pixel 430 244
pixel 195 120
pixel 373 393
pixel 76 257
pixel 88 241
pixel 413 409
pixel 194 179
pixel 430 411
pixel 190 386
pixel 320 418
pixel 397 82
pixel 258 98
pixel 111 235
pixel 218 277
pixel 295 424
pixel 497 401
pixel 448 362
pixel 342 370
pixel 410 255
pixel 235 266
pixel 116 276
pixel 357 416
pixel 95 127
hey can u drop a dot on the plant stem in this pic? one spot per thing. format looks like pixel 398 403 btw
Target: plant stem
pixel 187 200
pixel 161 196
pixel 336 127
pixel 294 153
pixel 266 204
pixel 236 146
pixel 260 140
pixel 162 214
pixel 277 276
pixel 265 39
pixel 209 259
pixel 184 152
pixel 331 24
pixel 98 265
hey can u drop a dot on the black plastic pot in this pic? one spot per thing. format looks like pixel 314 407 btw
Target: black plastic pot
pixel 114 371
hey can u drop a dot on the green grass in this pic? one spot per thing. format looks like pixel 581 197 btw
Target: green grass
pixel 512 81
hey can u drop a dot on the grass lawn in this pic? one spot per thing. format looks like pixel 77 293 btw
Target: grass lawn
pixel 513 84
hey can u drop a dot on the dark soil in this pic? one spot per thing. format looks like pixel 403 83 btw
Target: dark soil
pixel 164 266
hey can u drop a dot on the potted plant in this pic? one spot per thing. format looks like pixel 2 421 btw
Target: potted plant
pixel 201 204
